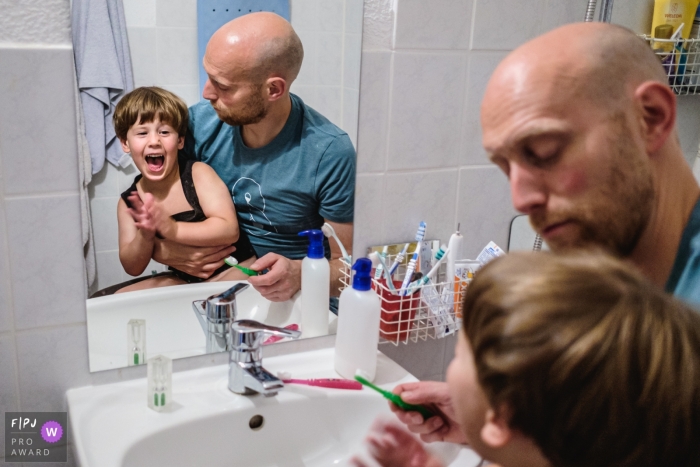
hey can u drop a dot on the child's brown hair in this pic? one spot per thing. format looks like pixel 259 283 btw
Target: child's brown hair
pixel 144 104
pixel 587 358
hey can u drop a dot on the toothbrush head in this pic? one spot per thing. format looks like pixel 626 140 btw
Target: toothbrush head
pixel 328 230
pixel 421 231
pixel 374 257
pixel 441 252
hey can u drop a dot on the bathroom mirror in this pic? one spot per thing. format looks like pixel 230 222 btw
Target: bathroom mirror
pixel 164 52
pixel 522 236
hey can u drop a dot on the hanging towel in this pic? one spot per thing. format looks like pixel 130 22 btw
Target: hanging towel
pixel 103 68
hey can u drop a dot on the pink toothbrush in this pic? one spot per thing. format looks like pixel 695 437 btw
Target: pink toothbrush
pixel 333 383
pixel 273 339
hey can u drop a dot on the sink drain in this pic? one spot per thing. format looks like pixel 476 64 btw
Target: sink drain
pixel 256 422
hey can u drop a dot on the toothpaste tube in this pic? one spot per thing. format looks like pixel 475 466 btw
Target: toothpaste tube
pixel 490 252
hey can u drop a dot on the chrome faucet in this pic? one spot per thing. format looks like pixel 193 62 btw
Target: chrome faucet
pixel 246 374
pixel 216 314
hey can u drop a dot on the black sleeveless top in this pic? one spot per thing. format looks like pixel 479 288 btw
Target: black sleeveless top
pixel 244 250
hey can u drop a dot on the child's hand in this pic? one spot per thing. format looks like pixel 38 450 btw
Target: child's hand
pixel 139 211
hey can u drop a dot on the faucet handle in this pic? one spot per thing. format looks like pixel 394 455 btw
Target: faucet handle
pixel 248 333
pixel 223 306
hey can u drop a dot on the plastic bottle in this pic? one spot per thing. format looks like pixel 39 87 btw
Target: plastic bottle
pixel 358 325
pixel 315 287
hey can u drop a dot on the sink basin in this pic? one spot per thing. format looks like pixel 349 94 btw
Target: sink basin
pixel 208 425
pixel 172 329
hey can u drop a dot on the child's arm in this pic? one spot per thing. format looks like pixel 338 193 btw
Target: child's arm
pixel 136 234
pixel 221 225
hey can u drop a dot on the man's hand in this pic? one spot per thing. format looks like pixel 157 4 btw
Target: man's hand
pixel 198 261
pixel 281 282
pixel 391 445
pixel 442 427
pixel 140 212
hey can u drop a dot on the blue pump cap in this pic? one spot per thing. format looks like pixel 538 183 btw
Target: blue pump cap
pixel 315 243
pixel 362 279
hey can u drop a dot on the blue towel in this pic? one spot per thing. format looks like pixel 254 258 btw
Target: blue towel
pixel 103 69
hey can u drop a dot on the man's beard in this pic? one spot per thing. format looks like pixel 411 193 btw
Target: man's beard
pixel 253 111
pixel 614 215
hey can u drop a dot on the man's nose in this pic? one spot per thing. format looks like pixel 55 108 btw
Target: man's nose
pixel 527 189
pixel 208 91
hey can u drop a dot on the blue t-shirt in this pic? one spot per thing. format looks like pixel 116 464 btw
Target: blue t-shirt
pixel 304 175
pixel 684 281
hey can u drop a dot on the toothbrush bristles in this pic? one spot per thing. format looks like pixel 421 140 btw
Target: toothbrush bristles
pixel 421 231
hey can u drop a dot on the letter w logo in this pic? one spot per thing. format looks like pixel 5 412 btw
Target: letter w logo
pixel 52 431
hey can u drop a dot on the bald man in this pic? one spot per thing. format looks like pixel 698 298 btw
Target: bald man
pixel 287 167
pixel 582 122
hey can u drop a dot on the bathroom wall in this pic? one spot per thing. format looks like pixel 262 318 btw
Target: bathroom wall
pixel 163 41
pixel 424 70
pixel 43 344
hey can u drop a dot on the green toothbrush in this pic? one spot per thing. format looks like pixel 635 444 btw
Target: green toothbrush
pixel 233 262
pixel 396 399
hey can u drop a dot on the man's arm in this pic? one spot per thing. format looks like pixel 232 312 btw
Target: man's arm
pixel 344 232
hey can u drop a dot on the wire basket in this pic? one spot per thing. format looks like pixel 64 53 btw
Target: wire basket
pixel 681 60
pixel 432 312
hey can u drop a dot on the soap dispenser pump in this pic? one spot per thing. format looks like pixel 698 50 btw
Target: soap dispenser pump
pixel 358 325
pixel 315 287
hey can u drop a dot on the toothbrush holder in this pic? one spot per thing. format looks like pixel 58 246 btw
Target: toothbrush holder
pixel 397 312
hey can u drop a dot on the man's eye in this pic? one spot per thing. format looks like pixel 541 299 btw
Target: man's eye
pixel 539 158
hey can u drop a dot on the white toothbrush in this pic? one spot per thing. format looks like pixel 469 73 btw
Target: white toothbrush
pixel 329 232
pixel 409 273
pixel 378 261
pixel 379 267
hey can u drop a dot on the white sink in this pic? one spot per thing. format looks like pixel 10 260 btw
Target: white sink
pixel 172 329
pixel 209 426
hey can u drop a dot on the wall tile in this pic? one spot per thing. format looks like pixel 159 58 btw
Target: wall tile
pixel 352 58
pixel 353 16
pixel 46 259
pixel 329 15
pixel 31 107
pixel 499 26
pixel 328 101
pixel 307 74
pixel 423 359
pixel 373 111
pixel 177 56
pixel 329 59
pixel 688 122
pixel 6 314
pixel 368 213
pixel 51 361
pixel 109 269
pixel 426 105
pixel 105 225
pixel 557 13
pixel 303 14
pixel 187 92
pixel 633 14
pixel 142 43
pixel 176 13
pixel 351 99
pixel 307 94
pixel 104 183
pixel 126 178
pixel 484 208
pixel 140 13
pixel 428 196
pixel 481 66
pixel 378 25
pixel 422 25
pixel 9 401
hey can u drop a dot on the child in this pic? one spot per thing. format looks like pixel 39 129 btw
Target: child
pixel 565 361
pixel 181 201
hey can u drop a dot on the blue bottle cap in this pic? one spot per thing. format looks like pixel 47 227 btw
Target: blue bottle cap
pixel 315 243
pixel 362 279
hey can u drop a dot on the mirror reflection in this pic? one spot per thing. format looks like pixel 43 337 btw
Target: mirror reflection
pixel 213 204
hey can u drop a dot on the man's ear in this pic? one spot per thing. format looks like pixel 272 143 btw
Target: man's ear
pixel 276 87
pixel 125 146
pixel 496 433
pixel 658 113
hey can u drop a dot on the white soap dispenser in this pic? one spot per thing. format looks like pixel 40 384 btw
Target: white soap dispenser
pixel 315 287
pixel 358 325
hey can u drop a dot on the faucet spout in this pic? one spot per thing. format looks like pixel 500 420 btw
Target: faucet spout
pixel 215 315
pixel 246 374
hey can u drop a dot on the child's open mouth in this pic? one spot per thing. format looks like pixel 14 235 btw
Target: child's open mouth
pixel 155 162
